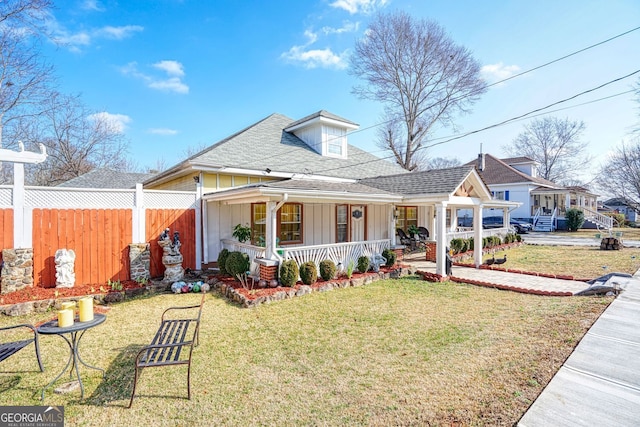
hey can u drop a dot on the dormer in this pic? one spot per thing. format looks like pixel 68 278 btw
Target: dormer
pixel 525 165
pixel 324 132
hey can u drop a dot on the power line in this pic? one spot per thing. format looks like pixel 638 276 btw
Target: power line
pixel 504 122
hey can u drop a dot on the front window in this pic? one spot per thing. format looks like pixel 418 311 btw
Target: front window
pixel 335 140
pixel 342 223
pixel 289 223
pixel 407 215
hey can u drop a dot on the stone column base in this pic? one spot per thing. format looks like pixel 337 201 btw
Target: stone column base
pixel 431 251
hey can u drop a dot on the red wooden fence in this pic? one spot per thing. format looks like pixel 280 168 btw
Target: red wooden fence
pixel 6 229
pixel 100 238
pixel 182 221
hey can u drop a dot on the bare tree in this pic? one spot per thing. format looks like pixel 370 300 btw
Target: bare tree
pixel 442 163
pixel 77 141
pixel 420 75
pixel 620 176
pixel 636 129
pixel 24 75
pixel 555 144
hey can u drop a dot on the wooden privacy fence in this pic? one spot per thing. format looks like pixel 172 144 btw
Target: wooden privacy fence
pixel 98 234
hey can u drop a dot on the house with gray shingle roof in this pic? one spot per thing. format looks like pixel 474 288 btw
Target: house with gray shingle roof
pixel 307 194
pixel 106 178
pixel 542 202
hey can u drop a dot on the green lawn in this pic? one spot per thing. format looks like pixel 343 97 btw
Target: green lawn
pixel 395 352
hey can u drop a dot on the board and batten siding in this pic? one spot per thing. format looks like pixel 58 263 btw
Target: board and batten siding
pixel 319 221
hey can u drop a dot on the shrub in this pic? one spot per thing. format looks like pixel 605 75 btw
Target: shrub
pixel 328 269
pixel 456 245
pixel 485 242
pixel 470 244
pixel 222 260
pixel 363 264
pixel 465 245
pixel 289 273
pixel 309 273
pixel 518 238
pixel 390 256
pixel 618 218
pixel 575 219
pixel 237 263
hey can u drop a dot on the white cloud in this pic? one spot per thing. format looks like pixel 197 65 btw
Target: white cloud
pixel 315 58
pixel 172 82
pixel 162 131
pixel 92 5
pixel 347 27
pixel 117 123
pixel 358 6
pixel 172 68
pixel 496 72
pixel 118 33
pixel 74 41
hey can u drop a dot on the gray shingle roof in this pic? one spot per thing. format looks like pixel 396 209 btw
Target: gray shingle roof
pixel 497 171
pixel 106 178
pixel 265 144
pixel 317 185
pixel 322 113
pixel 435 181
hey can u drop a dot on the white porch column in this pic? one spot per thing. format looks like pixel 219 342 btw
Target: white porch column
pixel 505 217
pixel 199 234
pixel 392 225
pixel 454 219
pixel 270 232
pixel 567 201
pixel 477 235
pixel 441 238
pixel 431 215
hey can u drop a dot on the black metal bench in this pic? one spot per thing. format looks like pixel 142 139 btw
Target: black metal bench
pixel 172 345
pixel 8 349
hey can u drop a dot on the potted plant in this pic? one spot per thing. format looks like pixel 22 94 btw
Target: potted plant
pixel 413 231
pixel 242 233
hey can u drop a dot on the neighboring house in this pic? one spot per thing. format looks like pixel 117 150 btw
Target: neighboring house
pixel 542 202
pixel 106 178
pixel 623 206
pixel 309 195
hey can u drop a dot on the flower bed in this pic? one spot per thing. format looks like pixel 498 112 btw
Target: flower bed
pixel 232 289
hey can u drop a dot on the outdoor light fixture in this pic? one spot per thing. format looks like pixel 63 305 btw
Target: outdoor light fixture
pixel 396 214
pixel 267 170
pixel 196 179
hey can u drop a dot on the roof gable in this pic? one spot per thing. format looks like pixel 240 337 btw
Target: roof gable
pixel 497 172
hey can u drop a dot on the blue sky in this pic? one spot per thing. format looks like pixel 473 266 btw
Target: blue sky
pixel 185 73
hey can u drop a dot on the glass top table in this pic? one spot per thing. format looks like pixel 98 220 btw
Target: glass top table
pixel 75 332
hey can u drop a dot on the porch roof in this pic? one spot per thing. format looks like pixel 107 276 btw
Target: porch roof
pixel 563 190
pixel 305 190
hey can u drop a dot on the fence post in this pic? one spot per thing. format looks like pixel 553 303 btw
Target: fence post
pixel 139 219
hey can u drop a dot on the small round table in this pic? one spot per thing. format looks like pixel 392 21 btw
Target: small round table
pixel 51 328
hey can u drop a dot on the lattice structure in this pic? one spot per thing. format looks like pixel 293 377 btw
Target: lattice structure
pixel 74 198
pixel 158 199
pixel 5 197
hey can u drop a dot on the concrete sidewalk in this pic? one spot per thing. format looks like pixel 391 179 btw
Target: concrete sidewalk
pixel 549 239
pixel 599 384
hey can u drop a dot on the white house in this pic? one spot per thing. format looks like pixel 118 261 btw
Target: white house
pixel 309 195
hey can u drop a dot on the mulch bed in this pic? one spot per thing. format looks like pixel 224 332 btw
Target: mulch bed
pixel 37 293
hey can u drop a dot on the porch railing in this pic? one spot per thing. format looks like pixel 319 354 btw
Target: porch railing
pixel 251 250
pixel 601 220
pixel 502 231
pixel 340 253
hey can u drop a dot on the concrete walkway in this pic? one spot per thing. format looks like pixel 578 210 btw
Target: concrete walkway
pixel 505 279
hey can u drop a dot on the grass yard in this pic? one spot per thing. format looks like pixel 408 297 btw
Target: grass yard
pixel 395 352
pixel 577 261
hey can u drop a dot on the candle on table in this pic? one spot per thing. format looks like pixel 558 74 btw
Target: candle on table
pixel 68 305
pixel 86 309
pixel 65 318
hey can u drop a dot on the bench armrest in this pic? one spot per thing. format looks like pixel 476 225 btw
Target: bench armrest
pixel 23 325
pixel 188 307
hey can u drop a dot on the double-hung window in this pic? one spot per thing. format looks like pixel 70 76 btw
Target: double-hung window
pixel 288 223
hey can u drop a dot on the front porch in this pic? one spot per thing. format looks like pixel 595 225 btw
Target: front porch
pixel 550 206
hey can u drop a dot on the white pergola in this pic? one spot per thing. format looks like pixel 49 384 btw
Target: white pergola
pixel 21 237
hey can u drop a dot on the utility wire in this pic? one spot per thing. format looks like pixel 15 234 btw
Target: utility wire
pixel 502 123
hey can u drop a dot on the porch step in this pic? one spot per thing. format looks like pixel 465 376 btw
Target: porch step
pixel 544 223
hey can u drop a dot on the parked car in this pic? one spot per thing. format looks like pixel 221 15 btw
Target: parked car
pixel 497 222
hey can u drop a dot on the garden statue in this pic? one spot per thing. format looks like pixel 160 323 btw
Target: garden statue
pixel 65 275
pixel 164 235
pixel 171 257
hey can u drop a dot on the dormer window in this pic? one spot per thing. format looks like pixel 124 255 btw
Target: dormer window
pixel 336 141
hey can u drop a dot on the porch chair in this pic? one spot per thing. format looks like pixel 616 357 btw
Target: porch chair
pixel 8 349
pixel 404 239
pixel 423 233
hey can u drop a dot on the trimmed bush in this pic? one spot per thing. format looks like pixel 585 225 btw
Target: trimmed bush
pixel 456 245
pixel 390 256
pixel 222 260
pixel 518 238
pixel 289 273
pixel 363 264
pixel 575 219
pixel 308 273
pixel 328 269
pixel 237 263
